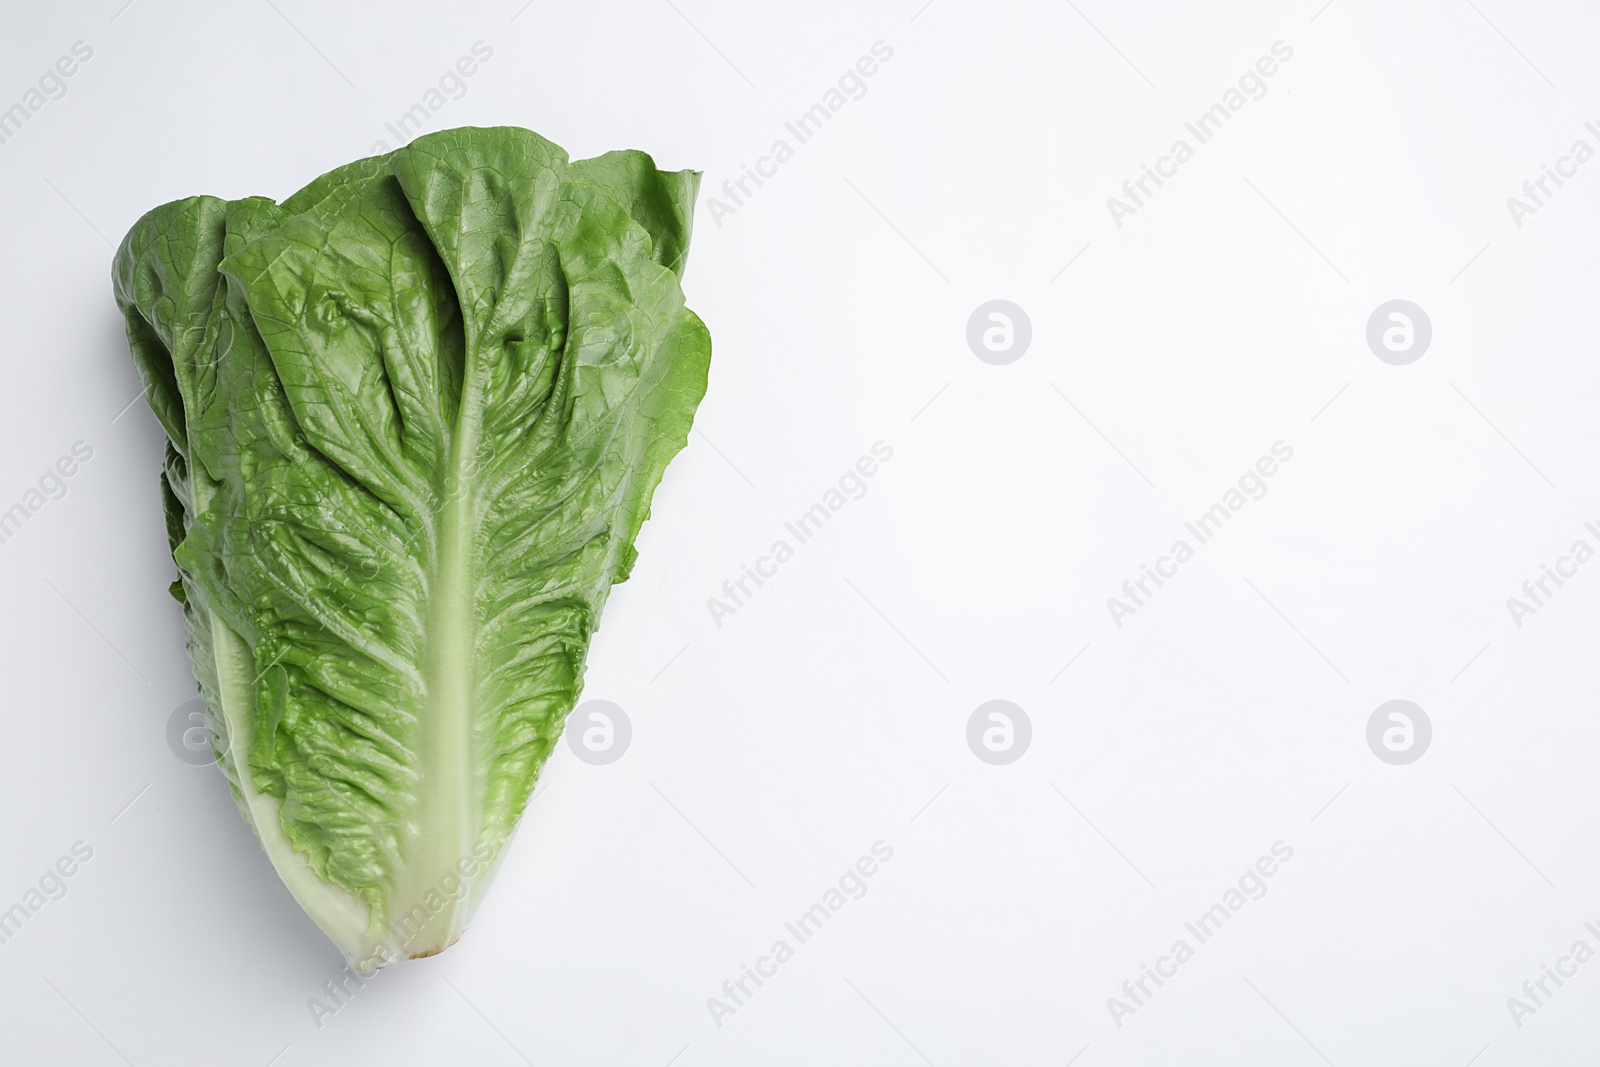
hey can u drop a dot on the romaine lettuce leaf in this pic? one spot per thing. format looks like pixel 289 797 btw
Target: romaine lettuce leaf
pixel 416 414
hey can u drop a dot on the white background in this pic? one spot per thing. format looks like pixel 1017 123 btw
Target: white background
pixel 772 751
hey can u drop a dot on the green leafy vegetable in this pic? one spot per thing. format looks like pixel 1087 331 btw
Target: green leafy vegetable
pixel 416 413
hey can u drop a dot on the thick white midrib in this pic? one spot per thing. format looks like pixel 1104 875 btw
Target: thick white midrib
pixel 448 806
pixel 340 914
pixel 448 802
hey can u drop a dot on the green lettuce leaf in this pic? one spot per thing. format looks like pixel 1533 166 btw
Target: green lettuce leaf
pixel 416 414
